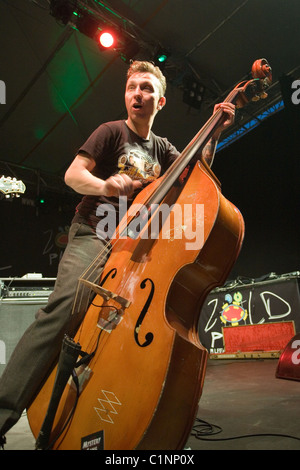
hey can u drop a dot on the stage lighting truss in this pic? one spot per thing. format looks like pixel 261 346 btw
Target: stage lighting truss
pixel 119 33
pixel 94 18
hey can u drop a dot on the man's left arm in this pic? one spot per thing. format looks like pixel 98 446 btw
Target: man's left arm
pixel 209 150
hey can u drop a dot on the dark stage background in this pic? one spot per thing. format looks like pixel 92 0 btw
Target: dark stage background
pixel 259 174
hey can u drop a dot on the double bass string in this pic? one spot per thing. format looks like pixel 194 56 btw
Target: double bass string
pixel 82 300
pixel 159 192
pixel 155 197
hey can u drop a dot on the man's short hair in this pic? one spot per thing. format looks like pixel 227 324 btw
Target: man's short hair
pixel 139 66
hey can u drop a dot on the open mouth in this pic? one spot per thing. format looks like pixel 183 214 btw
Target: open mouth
pixel 137 106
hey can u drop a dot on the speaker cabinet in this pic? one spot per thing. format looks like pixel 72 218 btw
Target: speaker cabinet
pixel 15 316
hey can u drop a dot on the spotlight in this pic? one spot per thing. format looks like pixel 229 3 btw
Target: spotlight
pixel 193 93
pixel 107 36
pixel 106 39
pixel 87 25
pixel 125 46
pixel 161 56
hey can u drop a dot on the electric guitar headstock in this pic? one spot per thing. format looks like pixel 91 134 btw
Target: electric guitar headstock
pixel 11 187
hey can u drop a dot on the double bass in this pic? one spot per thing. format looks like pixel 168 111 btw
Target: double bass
pixel 141 376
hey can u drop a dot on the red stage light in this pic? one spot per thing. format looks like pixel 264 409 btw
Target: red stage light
pixel 106 39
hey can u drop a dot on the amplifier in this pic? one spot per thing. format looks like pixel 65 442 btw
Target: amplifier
pixel 16 315
pixel 26 287
pixel 20 299
pixel 29 292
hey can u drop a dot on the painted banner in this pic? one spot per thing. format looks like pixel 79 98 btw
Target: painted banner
pixel 275 300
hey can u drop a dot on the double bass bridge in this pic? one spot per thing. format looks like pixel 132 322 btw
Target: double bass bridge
pixel 114 314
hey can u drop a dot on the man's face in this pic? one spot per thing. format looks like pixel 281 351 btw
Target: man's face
pixel 143 96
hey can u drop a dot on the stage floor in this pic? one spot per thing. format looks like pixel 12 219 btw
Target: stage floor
pixel 240 397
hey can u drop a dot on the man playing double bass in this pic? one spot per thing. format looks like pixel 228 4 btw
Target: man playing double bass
pixel 118 159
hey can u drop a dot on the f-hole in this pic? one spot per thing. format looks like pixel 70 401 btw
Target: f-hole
pixel 149 336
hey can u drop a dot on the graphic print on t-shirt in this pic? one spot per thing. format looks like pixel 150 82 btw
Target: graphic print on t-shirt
pixel 139 165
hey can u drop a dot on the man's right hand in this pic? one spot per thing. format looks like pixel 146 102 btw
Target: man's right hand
pixel 120 185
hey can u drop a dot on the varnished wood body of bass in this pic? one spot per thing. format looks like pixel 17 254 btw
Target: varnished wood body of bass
pixel 147 375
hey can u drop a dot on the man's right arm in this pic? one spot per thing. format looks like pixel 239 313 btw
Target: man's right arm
pixel 79 177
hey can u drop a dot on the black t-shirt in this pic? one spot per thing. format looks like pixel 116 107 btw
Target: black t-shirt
pixel 115 149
